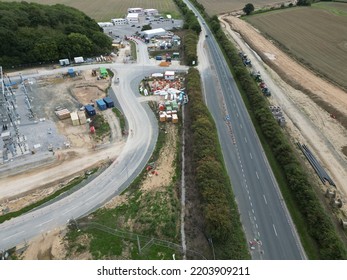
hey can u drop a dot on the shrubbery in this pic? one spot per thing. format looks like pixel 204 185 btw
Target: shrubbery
pixel 219 207
pixel 319 225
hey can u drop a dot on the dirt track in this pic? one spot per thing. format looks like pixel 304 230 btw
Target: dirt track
pixel 307 121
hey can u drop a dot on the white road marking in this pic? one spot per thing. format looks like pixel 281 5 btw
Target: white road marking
pixel 237 114
pixel 246 140
pixel 67 211
pixel 256 225
pixel 256 173
pixel 274 229
pixel 241 125
pixel 39 225
pixel 251 204
pixel 252 210
pixel 265 199
pixel 255 218
pixel 250 155
pixel 13 235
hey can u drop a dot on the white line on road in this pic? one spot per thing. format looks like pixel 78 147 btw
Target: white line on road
pixel 251 204
pixel 256 225
pixel 274 229
pixel 246 140
pixel 265 199
pixel 13 235
pixel 241 125
pixel 39 225
pixel 250 155
pixel 256 173
pixel 70 210
pixel 237 114
pixel 252 210
pixel 258 233
pixel 255 218
pixel 249 197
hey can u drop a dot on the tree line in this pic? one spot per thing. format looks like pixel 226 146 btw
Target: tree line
pixel 218 204
pixel 190 40
pixel 32 33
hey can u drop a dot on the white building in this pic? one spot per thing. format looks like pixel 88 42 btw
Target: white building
pixel 154 32
pixel 133 18
pixel 119 21
pixel 105 24
pixel 151 12
pixel 135 11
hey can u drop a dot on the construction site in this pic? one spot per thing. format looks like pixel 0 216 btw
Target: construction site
pixel 50 133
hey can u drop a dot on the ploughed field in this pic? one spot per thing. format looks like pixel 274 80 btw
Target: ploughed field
pixel 316 36
pixel 106 9
pixel 214 7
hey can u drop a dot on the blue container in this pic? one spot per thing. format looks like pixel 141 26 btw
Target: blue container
pixel 109 102
pixel 158 57
pixel 90 110
pixel 101 104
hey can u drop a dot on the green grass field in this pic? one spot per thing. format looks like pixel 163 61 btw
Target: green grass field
pixel 107 9
pixel 316 36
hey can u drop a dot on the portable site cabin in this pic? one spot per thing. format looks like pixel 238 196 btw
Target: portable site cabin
pixel 64 62
pixel 78 59
pixel 90 110
pixel 103 72
pixel 109 102
pixel 101 104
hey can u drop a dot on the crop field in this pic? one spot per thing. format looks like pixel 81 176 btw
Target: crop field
pixel 107 9
pixel 316 36
pixel 214 7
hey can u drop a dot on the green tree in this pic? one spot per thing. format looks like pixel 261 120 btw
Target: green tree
pixel 146 27
pixel 248 8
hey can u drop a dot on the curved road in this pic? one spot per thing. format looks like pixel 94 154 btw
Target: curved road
pixel 264 215
pixel 138 149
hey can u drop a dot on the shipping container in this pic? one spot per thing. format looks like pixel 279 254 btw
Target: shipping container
pixel 74 118
pixel 90 110
pixel 101 104
pixel 109 102
pixel 82 117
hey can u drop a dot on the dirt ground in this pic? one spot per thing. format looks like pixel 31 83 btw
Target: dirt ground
pixel 52 244
pixel 32 185
pixel 307 121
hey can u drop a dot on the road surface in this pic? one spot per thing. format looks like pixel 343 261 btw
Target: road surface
pixel 138 149
pixel 264 216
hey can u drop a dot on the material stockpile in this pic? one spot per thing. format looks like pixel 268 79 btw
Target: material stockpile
pixel 74 118
pixel 63 114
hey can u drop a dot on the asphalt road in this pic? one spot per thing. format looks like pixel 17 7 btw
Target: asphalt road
pixel 114 179
pixel 264 215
